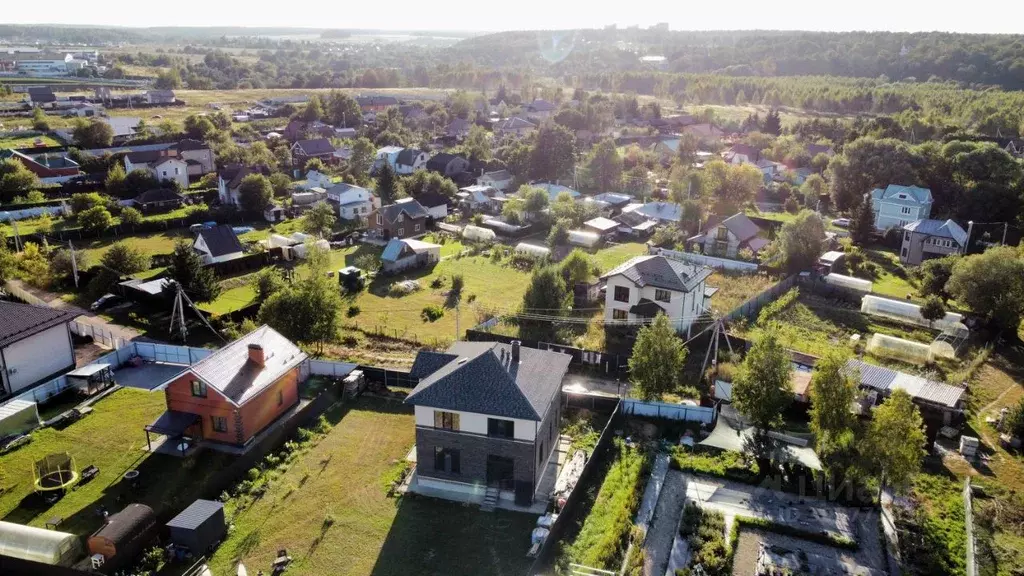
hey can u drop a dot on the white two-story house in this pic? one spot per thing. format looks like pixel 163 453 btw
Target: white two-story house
pixel 386 155
pixel 353 202
pixel 35 346
pixel 897 206
pixel 410 160
pixel 164 165
pixel 646 286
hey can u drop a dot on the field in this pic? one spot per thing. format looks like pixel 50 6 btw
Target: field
pixel 616 254
pixel 788 116
pixel 331 512
pixel 27 141
pixel 112 439
pixel 893 279
pixel 735 289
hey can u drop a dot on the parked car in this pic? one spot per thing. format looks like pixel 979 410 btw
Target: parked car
pixel 841 222
pixel 105 301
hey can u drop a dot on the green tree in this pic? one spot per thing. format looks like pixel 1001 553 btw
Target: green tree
pixel 991 285
pixel 168 79
pixel 138 181
pixel 199 127
pixel 15 179
pixel 314 110
pixel 604 167
pixel 95 219
pixel 832 392
pixel 361 160
pixel 933 309
pixel 121 259
pixel 319 220
pixel 656 365
pixel 7 265
pixel 82 201
pixel 477 145
pixel 772 123
pixel 255 193
pixel 94 134
pixel 198 281
pixel 131 217
pixel 546 295
pixel 935 273
pixel 553 154
pixel 896 441
pixel 115 181
pixel 578 266
pixel 801 241
pixel 306 311
pixel 812 189
pixel 731 187
pixel 762 389
pixel 343 111
pixel 315 164
pixel 862 225
pixel 281 184
pixel 422 181
pixel 267 282
pixel 388 187
pixel 44 224
pixel 535 200
pixel 39 121
pixel 559 233
pixel 866 164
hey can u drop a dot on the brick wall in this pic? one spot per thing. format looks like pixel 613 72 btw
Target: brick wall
pixel 474 450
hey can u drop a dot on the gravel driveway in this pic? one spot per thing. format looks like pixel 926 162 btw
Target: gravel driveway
pixel 663 528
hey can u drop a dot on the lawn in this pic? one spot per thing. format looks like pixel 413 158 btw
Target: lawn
pixel 331 512
pixel 735 289
pixel 230 300
pixel 112 439
pixel 893 279
pixel 615 254
pixel 151 244
pixel 28 141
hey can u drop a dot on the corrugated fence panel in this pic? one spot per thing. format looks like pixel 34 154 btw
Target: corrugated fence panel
pixel 328 368
pixel 668 411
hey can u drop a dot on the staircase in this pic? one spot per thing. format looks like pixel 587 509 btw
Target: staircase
pixel 490 499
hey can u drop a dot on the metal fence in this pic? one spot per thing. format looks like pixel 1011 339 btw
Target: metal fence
pixel 98 334
pixel 752 307
pixel 712 261
pixel 328 368
pixel 635 407
pixel 969 523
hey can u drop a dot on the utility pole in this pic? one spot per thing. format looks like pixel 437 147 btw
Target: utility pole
pixel 74 263
pixel 1005 226
pixel 458 309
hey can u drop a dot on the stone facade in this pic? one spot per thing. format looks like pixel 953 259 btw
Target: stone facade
pixel 473 452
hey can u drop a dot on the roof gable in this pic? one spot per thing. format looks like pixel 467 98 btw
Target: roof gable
pixel 20 321
pixel 220 240
pixel 741 226
pixel 660 272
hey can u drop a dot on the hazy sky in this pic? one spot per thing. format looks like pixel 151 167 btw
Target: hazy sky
pixel 999 16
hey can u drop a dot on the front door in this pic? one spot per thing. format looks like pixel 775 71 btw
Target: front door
pixel 500 472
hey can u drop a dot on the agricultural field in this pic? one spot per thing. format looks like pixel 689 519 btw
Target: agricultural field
pixel 330 510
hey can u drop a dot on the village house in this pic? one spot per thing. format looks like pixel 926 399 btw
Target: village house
pixel 730 236
pixel 230 178
pixel 407 253
pixel 515 126
pixel 448 165
pixel 353 202
pixel 198 156
pixel 35 346
pixel 217 244
pixel 498 179
pixel 158 200
pixel 159 97
pixel 646 286
pixel 50 165
pixel 926 239
pixel 458 129
pixel 410 160
pixel 403 219
pixel 435 203
pixel 164 165
pixel 305 150
pixel 897 205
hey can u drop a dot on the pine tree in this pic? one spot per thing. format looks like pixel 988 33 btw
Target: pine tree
pixel 862 226
pixel 199 282
pixel 387 185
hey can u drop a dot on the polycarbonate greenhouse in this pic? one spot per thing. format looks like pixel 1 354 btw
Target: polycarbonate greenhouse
pixel 533 250
pixel 18 417
pixel 899 349
pixel 583 238
pixel 906 312
pixel 478 234
pixel 850 282
pixel 39 545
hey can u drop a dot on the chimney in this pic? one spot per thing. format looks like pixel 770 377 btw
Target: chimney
pixel 256 354
pixel 515 351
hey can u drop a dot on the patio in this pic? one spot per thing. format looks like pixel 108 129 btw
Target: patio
pixel 147 376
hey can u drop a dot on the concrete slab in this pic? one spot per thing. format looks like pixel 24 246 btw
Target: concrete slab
pixel 148 376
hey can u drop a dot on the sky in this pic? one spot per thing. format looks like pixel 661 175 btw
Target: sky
pixel 985 16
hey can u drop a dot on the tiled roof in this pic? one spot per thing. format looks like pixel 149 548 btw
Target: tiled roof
pixel 484 380
pixel 234 173
pixel 498 175
pixel 886 380
pixel 221 240
pixel 439 162
pixel 230 372
pixel 939 228
pixel 19 321
pixel 660 272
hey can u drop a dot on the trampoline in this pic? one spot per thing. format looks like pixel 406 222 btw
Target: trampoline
pixel 54 473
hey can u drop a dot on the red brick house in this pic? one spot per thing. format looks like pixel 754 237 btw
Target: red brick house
pixel 235 393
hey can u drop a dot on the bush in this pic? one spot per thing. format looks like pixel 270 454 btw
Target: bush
pixel 458 282
pixel 432 313
pixel 95 219
pixel 437 282
pixel 353 310
pixel 791 205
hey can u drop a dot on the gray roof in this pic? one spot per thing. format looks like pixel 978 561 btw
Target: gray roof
pixel 19 321
pixel 128 523
pixel 661 272
pixel 482 379
pixel 407 157
pixel 428 362
pixel 940 229
pixel 614 199
pixel 410 207
pixel 886 380
pixel 499 175
pixel 221 240
pixel 514 123
pixel 197 512
pixel 158 195
pixel 314 146
pixel 741 226
pixel 230 372
pixel 661 211
pixel 914 195
pixel 122 125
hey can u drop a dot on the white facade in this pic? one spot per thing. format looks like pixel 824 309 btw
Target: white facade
pixel 473 423
pixel 498 183
pixel 227 195
pixel 200 246
pixel 35 358
pixel 418 163
pixel 353 202
pixel 682 308
pixel 173 169
pixel 315 179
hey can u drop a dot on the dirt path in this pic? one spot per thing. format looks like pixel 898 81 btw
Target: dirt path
pixel 662 532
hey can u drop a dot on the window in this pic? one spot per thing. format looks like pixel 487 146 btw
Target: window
pixel 905 210
pixel 906 235
pixel 662 295
pixel 401 231
pixel 416 228
pixel 280 397
pixel 446 420
pixel 447 460
pixel 199 389
pixel 904 252
pixel 401 217
pixel 723 234
pixel 176 172
pixel 219 423
pixel 499 428
pixel 379 220
pixel 619 315
pixel 621 294
pixel 540 455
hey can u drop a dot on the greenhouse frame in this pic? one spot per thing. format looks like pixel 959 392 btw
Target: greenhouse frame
pixel 39 545
pixel 906 312
pixel 18 416
pixel 478 234
pixel 583 238
pixel 899 349
pixel 850 282
pixel 533 250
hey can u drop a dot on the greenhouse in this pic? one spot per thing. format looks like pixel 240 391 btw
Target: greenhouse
pixel 18 417
pixel 302 249
pixel 39 545
pixel 906 312
pixel 950 342
pixel 850 282
pixel 532 250
pixel 899 349
pixel 583 238
pixel 478 234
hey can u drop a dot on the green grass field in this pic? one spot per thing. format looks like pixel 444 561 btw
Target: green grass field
pixel 893 279
pixel 331 512
pixel 112 439
pixel 611 256
pixel 28 141
pixel 735 289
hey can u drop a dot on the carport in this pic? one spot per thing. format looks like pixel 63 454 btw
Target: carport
pixel 179 427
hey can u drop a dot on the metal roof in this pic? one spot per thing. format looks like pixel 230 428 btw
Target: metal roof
pixel 661 272
pixel 197 512
pixel 915 195
pixel 602 224
pixel 20 321
pixel 886 380
pixel 741 226
pixel 939 228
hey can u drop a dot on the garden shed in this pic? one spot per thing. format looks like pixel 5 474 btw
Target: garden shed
pixel 18 417
pixel 39 545
pixel 122 538
pixel 199 527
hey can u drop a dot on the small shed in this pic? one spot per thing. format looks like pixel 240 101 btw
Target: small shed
pixel 199 527
pixel 408 253
pixel 124 535
pixel 831 260
pixel 39 545
pixel 604 227
pixel 92 379
pixel 583 238
pixel 18 417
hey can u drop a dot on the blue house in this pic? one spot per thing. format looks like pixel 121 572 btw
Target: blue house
pixel 897 205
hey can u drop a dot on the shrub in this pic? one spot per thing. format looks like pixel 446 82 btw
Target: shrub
pixel 350 341
pixel 437 282
pixel 471 298
pixel 432 313
pixel 353 310
pixel 791 205
pixel 458 282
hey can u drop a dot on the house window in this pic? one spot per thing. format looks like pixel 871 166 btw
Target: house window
pixel 219 423
pixel 662 295
pixel 379 222
pixel 446 420
pixel 906 235
pixel 619 315
pixel 447 460
pixel 416 228
pixel 176 171
pixel 401 217
pixel 401 231
pixel 904 252
pixel 280 397
pixel 621 294
pixel 499 428
pixel 199 389
pixel 723 234
pixel 905 210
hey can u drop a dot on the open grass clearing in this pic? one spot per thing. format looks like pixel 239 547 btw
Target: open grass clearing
pixel 612 255
pixel 893 279
pixel 330 510
pixel 112 439
pixel 28 141
pixel 735 289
